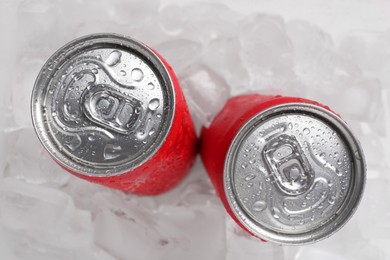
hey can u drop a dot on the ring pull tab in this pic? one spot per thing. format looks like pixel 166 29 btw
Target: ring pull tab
pixel 288 165
pixel 111 109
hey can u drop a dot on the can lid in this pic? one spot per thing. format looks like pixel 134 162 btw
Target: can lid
pixel 294 174
pixel 103 104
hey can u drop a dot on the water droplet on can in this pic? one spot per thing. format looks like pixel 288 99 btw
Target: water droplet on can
pixel 276 213
pixel 112 151
pixel 306 131
pixel 114 58
pixel 358 156
pixel 332 200
pixel 154 104
pixel 250 177
pixel 137 74
pixel 259 206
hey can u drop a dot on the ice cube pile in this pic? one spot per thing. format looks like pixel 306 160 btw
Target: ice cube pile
pixel 217 52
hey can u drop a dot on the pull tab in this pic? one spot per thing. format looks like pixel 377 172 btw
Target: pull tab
pixel 110 109
pixel 288 164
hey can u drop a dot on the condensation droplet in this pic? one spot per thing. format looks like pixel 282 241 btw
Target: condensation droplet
pixel 306 131
pixel 332 200
pixel 154 104
pixel 259 206
pixel 137 74
pixel 250 177
pixel 151 86
pixel 123 73
pixel 114 58
pixel 111 151
pixel 276 213
pixel 140 134
pixel 357 155
pixel 73 142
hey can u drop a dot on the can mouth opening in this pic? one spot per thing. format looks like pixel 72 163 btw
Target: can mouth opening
pixel 103 104
pixel 294 188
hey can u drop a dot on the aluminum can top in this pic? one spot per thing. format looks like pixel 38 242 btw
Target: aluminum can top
pixel 103 104
pixel 294 174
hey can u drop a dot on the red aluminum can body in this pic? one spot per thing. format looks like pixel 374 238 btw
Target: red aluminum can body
pixel 217 140
pixel 158 165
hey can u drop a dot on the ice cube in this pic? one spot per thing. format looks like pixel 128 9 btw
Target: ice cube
pixel 374 150
pixel 199 22
pixel 223 55
pixel 318 254
pixel 29 161
pixel 134 13
pixel 29 68
pixel 184 230
pixel 361 101
pixel 112 231
pixel 84 193
pixel 26 206
pixel 308 40
pixel 34 251
pixel 171 19
pixel 8 242
pixel 44 15
pixel 180 53
pixel 369 49
pixel 241 245
pixel 266 51
pixel 36 7
pixel 206 92
pixel 170 230
pixel 374 222
pixel 318 65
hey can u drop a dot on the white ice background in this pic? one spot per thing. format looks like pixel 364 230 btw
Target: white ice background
pixel 335 52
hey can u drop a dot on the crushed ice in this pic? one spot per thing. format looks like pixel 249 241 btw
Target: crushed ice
pixel 217 52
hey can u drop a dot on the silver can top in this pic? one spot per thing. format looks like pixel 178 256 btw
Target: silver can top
pixel 103 104
pixel 294 174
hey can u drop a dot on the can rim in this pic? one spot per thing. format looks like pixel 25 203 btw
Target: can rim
pixel 346 210
pixel 73 48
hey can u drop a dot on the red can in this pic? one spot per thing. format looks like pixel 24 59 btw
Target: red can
pixel 288 170
pixel 110 110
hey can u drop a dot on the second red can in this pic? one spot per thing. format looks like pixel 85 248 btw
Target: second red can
pixel 110 110
pixel 288 170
